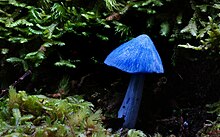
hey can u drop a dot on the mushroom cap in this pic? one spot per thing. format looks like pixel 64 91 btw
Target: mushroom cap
pixel 138 55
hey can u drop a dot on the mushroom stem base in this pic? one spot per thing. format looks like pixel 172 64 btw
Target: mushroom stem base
pixel 131 103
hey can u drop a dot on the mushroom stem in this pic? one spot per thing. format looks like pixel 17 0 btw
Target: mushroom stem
pixel 131 103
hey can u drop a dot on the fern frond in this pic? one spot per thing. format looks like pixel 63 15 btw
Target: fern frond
pixel 18 39
pixel 18 60
pixel 112 5
pixel 59 43
pixel 51 29
pixel 89 15
pixel 50 43
pixel 19 22
pixel 14 60
pixel 3 19
pixel 5 13
pixel 3 29
pixel 38 32
pixel 191 27
pixel 48 30
pixel 35 55
pixel 58 35
pixel 59 12
pixel 66 63
pixel 17 4
pixel 38 15
pixel 122 28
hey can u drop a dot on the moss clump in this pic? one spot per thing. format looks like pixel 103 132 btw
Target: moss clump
pixel 40 116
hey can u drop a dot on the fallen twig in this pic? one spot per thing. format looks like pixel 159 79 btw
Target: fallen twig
pixel 4 91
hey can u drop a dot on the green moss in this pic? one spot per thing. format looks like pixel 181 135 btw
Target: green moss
pixel 41 116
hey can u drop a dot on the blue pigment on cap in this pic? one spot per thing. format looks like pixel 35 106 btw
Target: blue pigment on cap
pixel 138 55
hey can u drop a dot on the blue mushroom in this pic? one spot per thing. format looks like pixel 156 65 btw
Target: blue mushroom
pixel 137 56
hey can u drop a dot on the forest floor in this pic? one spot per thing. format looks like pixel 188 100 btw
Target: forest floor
pixel 172 104
pixel 180 115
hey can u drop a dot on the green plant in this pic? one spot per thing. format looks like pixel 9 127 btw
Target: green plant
pixel 63 88
pixel 40 116
pixel 44 24
pixel 46 116
pixel 204 25
pixel 211 128
pixel 136 133
pixel 65 34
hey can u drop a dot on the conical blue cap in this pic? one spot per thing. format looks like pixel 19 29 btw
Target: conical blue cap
pixel 138 55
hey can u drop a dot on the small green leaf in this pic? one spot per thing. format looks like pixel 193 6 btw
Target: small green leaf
pixel 17 115
pixel 164 29
pixel 18 39
pixel 89 15
pixel 102 37
pixel 203 8
pixel 66 63
pixel 27 117
pixel 14 59
pixel 191 28
pixel 179 18
pixel 136 133
pixel 35 55
pixel 217 6
pixel 4 51
pixel 49 44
